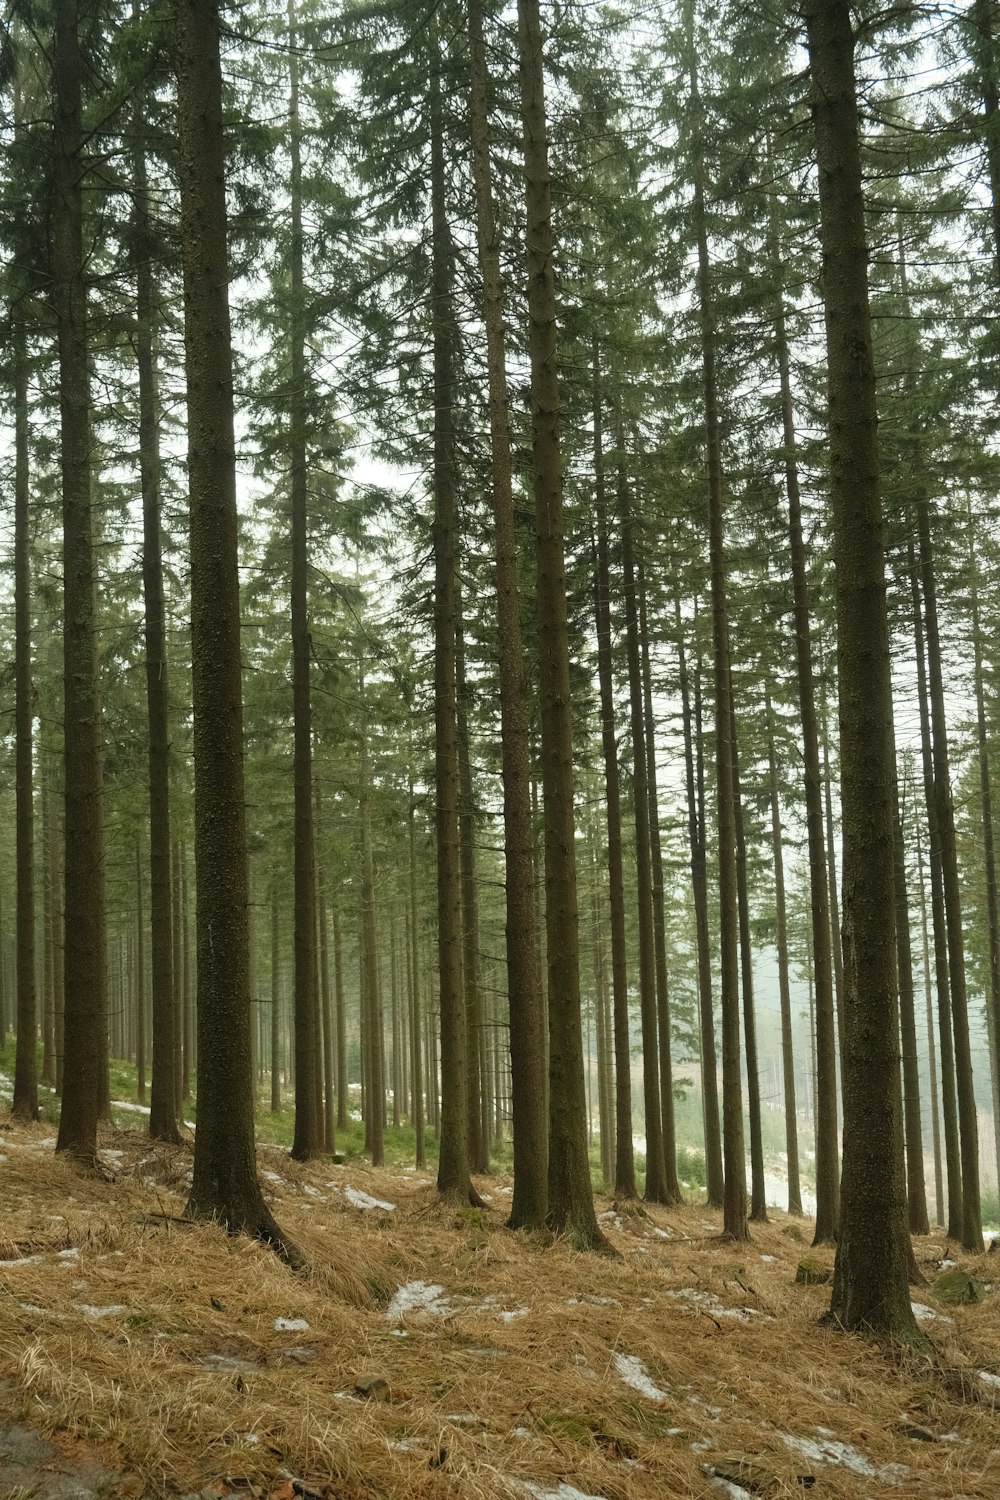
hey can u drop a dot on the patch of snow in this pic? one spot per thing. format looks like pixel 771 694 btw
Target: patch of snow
pixel 558 1491
pixel 513 1314
pixel 610 1217
pixel 30 1307
pixel 250 1438
pixel 522 1432
pixel 925 1314
pixel 463 1419
pixel 948 1265
pixel 312 1191
pixel 769 1260
pixel 24 1260
pixel 404 1445
pixel 734 1491
pixel 114 1311
pixel 634 1373
pixel 71 1254
pixel 273 1177
pixel 830 1450
pixel 711 1304
pixel 419 1296
pixel 988 1378
pixel 291 1325
pixel 365 1200
pixel 662 1234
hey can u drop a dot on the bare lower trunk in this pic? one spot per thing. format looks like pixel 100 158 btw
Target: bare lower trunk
pixel 224 1184
pixel 85 909
pixel 870 1290
pixel 571 1201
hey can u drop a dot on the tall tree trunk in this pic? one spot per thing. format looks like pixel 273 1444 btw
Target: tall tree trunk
pixel 784 989
pixel 827 1144
pixel 916 1191
pixel 341 1014
pixel 25 1103
pixel 657 1190
pixel 479 1160
pixel 307 1141
pixel 931 1053
pixel 224 1185
pixel 528 1206
pixel 831 872
pixel 46 1008
pixel 329 1074
pixel 949 1104
pixel 659 913
pixel 177 975
pixel 163 1091
pixel 625 1186
pixel 140 981
pixel 870 1290
pixel 986 800
pixel 699 884
pixel 571 1199
pixel 968 1122
pixel 275 1001
pixel 734 1207
pixel 416 1024
pixel 85 906
pixel 453 1159
pixel 758 1190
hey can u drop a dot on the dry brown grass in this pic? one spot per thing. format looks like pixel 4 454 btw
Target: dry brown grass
pixel 176 1386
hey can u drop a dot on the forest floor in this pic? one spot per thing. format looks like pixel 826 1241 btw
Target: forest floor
pixel 429 1354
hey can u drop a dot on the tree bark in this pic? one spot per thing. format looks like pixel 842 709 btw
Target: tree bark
pixel 949 1104
pixel 734 1206
pixel 714 1179
pixel 224 1185
pixel 571 1199
pixel 659 912
pixel 870 1289
pixel 625 1185
pixel 25 1102
pixel 656 1188
pixel 85 1012
pixel 784 989
pixel 528 1206
pixel 968 1122
pixel 758 1191
pixel 827 1143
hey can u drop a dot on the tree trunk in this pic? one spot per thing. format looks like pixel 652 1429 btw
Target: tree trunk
pixel 224 1185
pixel 307 1140
pixel 870 1290
pixel 931 1054
pixel 275 1002
pixel 916 1191
pixel 625 1186
pixel 827 1143
pixel 699 883
pixel 416 1023
pixel 659 913
pixel 85 907
pixel 657 1190
pixel 734 1206
pixel 163 1090
pixel 972 1227
pixel 329 1074
pixel 949 1105
pixel 528 1206
pixel 479 1160
pixel 571 1199
pixel 25 1104
pixel 784 989
pixel 758 1191
pixel 341 1013
pixel 453 1160
pixel 986 800
pixel 140 982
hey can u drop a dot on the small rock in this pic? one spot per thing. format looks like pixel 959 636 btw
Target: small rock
pixel 373 1388
pixel 958 1289
pixel 812 1272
